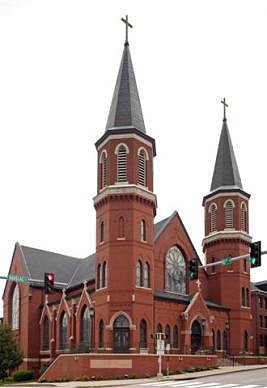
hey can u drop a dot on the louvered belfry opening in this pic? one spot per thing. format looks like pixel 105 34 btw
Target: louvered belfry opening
pixel 122 164
pixel 142 168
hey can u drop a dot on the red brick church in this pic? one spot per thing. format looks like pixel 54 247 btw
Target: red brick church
pixel 136 283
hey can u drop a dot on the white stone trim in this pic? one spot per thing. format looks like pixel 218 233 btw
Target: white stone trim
pixel 101 155
pixel 225 194
pixel 119 145
pixel 31 359
pixel 227 234
pixel 228 200
pixel 124 136
pixel 146 153
pixel 126 189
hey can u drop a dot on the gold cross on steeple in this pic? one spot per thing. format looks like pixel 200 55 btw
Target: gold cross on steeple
pixel 127 25
pixel 224 108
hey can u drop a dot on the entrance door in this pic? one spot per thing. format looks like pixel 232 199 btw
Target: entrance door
pixel 196 332
pixel 121 335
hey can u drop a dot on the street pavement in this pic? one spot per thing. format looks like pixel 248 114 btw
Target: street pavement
pixel 251 376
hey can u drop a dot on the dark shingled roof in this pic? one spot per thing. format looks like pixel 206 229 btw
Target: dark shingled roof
pixel 161 225
pixel 225 171
pixel 259 286
pixel 185 299
pixel 125 110
pixel 67 269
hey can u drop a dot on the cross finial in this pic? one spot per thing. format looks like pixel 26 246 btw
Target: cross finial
pixel 127 25
pixel 224 108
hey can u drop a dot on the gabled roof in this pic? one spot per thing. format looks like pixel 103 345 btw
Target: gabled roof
pixel 226 172
pixel 160 226
pixel 259 286
pixel 67 269
pixel 125 110
pixel 186 299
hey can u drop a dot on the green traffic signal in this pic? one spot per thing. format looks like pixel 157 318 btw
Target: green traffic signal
pixel 227 260
pixel 193 269
pixel 255 254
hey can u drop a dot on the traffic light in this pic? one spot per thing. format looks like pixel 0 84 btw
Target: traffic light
pixel 255 254
pixel 49 279
pixel 193 269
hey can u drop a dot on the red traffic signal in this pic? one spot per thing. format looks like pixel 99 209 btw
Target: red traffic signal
pixel 49 279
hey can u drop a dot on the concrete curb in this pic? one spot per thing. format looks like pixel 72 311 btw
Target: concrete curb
pixel 123 383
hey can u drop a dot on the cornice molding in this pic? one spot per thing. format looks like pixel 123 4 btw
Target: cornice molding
pixel 226 234
pixel 122 189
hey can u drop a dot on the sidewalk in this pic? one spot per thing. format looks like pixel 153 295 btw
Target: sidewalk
pixel 121 383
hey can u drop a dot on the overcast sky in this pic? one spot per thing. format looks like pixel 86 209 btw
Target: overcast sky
pixel 58 66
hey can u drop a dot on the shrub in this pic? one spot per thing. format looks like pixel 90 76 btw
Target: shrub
pixel 23 375
pixel 178 372
pixel 190 369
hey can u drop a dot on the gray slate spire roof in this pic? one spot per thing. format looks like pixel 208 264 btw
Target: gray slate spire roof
pixel 125 110
pixel 226 170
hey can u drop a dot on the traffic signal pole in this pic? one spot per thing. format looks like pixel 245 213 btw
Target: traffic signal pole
pixel 231 260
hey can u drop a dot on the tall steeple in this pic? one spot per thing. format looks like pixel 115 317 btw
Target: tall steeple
pixel 226 173
pixel 125 110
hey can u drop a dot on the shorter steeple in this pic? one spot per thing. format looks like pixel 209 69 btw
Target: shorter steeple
pixel 125 111
pixel 226 173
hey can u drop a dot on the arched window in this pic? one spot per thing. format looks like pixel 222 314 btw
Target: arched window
pixel 85 326
pixel 63 331
pixel 104 274
pixel 143 334
pixel 101 334
pixel 98 276
pixel 143 230
pixel 103 169
pixel 122 164
pixel 243 297
pixel 247 297
pixel 175 341
pixel 146 275
pixel 46 334
pixel 261 340
pixel 121 322
pixel 159 328
pixel 102 231
pixel 142 168
pixel 213 340
pixel 175 271
pixel 225 341
pixel 228 215
pixel 213 217
pixel 245 341
pixel 139 275
pixel 213 268
pixel 121 227
pixel 15 308
pixel 168 334
pixel 219 346
pixel 245 265
pixel 244 217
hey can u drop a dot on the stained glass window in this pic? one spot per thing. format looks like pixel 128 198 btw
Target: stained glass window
pixel 15 308
pixel 175 271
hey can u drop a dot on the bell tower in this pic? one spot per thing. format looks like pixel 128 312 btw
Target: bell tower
pixel 125 208
pixel 226 236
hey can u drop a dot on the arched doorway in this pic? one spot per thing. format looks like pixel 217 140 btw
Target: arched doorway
pixel 121 335
pixel 196 337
